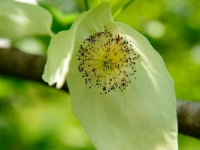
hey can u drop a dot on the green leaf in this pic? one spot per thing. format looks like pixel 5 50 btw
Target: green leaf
pixel 22 19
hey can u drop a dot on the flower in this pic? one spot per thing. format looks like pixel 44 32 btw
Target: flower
pixel 106 61
pixel 121 91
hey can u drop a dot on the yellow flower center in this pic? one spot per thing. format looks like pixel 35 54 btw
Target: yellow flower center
pixel 107 61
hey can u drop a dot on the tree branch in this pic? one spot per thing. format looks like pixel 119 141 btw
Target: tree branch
pixel 189 118
pixel 31 67
pixel 22 65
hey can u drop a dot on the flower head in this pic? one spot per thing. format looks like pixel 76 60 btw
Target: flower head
pixel 107 61
pixel 121 91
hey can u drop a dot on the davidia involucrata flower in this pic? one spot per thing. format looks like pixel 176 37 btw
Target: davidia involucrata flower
pixel 121 91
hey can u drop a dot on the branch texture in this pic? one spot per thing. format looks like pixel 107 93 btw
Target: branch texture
pixel 27 66
pixel 22 65
pixel 189 118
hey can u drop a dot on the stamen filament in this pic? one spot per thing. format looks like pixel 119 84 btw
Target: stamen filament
pixel 109 64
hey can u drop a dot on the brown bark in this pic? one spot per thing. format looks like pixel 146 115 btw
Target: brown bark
pixel 27 66
pixel 189 118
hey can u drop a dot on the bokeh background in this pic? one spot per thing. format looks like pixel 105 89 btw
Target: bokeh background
pixel 37 117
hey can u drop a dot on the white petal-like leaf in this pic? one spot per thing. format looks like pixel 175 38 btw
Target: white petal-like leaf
pixel 136 108
pixel 63 44
pixel 22 19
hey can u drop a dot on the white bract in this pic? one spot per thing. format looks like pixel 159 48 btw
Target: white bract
pixel 22 19
pixel 121 91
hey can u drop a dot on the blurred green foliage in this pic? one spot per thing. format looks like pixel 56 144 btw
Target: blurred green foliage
pixel 35 117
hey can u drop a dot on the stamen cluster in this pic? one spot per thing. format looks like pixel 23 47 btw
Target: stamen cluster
pixel 107 61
